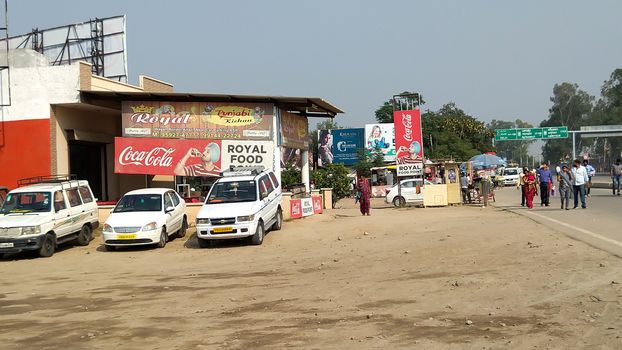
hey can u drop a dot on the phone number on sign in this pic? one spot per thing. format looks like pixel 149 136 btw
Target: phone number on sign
pixel 195 135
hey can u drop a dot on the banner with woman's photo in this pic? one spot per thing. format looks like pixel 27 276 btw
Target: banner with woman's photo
pixel 381 136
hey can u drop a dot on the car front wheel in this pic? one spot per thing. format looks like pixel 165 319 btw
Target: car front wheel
pixel 257 238
pixel 399 201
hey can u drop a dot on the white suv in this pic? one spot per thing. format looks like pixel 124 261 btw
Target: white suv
pixel 45 212
pixel 245 202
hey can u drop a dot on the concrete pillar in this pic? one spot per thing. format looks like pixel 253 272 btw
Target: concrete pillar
pixel 305 170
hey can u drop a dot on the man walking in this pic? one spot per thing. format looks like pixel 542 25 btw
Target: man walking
pixel 580 179
pixel 545 179
pixel 464 187
pixel 616 172
pixel 522 186
pixel 564 179
pixel 590 173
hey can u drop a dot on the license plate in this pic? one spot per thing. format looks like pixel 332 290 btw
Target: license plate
pixel 223 229
pixel 6 245
pixel 126 236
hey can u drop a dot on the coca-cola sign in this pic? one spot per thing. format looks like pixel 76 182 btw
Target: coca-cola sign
pixel 408 136
pixel 167 156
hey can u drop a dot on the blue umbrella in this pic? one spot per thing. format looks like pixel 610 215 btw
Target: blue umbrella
pixel 487 161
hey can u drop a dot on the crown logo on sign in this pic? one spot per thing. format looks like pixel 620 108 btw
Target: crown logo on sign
pixel 141 109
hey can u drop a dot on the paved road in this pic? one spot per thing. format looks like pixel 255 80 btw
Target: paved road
pixel 599 225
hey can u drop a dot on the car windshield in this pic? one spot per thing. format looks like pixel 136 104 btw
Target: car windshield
pixel 510 172
pixel 139 202
pixel 26 202
pixel 232 192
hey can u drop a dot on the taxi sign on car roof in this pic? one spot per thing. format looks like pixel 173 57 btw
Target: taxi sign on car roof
pixel 242 171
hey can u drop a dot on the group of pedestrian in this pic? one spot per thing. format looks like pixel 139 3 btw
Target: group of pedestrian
pixel 575 183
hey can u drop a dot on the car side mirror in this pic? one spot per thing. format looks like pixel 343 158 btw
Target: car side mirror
pixel 169 209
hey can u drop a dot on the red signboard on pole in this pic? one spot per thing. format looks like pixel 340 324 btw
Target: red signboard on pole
pixel 408 136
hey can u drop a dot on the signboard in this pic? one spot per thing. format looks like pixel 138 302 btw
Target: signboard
pixel 318 208
pixel 187 157
pixel 197 120
pixel 346 143
pixel 410 169
pixel 247 153
pixel 408 138
pixel 324 148
pixel 295 206
pixel 546 133
pixel 381 136
pixel 294 131
pixel 307 206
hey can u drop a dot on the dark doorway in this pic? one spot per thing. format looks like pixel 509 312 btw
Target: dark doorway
pixel 86 160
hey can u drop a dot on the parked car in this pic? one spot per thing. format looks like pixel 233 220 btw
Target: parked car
pixel 411 192
pixel 243 203
pixel 146 216
pixel 511 176
pixel 45 212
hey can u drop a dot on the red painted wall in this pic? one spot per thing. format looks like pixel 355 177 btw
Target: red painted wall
pixel 24 150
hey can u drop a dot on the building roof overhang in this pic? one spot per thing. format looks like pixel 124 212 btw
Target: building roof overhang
pixel 305 106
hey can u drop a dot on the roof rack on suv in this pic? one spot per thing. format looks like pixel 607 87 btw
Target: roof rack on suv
pixel 46 179
pixel 242 171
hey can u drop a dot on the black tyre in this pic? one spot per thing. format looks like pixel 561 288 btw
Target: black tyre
pixel 257 238
pixel 184 228
pixel 48 246
pixel 399 201
pixel 110 248
pixel 279 220
pixel 205 243
pixel 163 238
pixel 85 235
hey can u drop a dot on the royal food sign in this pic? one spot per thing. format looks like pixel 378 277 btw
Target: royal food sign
pixel 197 120
pixel 188 157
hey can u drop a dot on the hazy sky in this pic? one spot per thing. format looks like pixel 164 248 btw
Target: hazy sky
pixel 494 59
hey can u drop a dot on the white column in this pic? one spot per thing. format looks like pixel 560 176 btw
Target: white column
pixel 305 170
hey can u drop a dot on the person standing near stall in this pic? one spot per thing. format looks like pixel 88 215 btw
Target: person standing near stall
pixel 531 188
pixel 365 195
pixel 521 185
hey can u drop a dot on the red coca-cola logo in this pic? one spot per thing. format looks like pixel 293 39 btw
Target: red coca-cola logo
pixel 156 157
pixel 407 122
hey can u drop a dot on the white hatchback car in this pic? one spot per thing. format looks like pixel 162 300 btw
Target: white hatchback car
pixel 146 216
pixel 242 203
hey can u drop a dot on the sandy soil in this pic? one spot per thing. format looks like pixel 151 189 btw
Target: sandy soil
pixel 434 278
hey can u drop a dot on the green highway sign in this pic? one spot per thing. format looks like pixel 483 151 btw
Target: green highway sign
pixel 546 133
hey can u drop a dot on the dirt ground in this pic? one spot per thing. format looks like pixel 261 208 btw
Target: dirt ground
pixel 433 278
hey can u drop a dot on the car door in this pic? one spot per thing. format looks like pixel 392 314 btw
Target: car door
pixel 171 222
pixel 408 190
pixel 62 215
pixel 264 193
pixel 178 213
pixel 75 208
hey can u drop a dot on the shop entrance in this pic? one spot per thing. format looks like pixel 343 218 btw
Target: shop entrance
pixel 87 162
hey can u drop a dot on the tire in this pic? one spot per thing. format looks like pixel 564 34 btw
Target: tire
pixel 110 248
pixel 84 237
pixel 399 201
pixel 163 238
pixel 205 243
pixel 279 220
pixel 184 227
pixel 48 246
pixel 257 238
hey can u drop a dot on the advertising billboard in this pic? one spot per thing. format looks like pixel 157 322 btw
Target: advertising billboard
pixel 346 143
pixel 188 157
pixel 197 120
pixel 294 131
pixel 324 148
pixel 381 136
pixel 408 139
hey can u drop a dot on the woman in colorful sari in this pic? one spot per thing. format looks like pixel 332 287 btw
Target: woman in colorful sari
pixel 365 195
pixel 531 188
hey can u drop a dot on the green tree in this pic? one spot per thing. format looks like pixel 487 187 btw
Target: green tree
pixel 334 176
pixel 368 161
pixel 571 107
pixel 384 113
pixel 608 111
pixel 290 175
pixel 514 150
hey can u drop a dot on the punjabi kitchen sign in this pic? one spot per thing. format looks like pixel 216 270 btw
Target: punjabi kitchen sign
pixel 197 120
pixel 151 156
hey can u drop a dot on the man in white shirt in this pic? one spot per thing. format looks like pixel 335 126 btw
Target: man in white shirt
pixel 579 173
